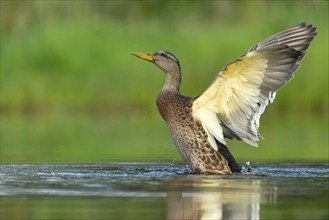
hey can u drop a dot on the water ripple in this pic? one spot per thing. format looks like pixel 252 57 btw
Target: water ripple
pixel 122 179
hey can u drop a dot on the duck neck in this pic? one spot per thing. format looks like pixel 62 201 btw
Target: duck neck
pixel 173 81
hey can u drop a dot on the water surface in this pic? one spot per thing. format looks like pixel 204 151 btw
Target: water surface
pixel 163 191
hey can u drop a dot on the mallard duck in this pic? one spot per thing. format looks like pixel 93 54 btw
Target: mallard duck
pixel 232 105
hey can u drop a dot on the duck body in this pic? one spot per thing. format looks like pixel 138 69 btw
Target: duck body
pixel 190 138
pixel 232 105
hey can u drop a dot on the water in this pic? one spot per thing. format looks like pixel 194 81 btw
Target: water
pixel 163 191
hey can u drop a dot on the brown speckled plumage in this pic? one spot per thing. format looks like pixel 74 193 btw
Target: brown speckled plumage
pixel 189 136
pixel 232 105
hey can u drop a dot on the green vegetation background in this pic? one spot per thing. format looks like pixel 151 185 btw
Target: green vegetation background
pixel 72 93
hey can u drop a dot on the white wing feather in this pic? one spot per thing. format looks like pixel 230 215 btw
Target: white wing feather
pixel 232 105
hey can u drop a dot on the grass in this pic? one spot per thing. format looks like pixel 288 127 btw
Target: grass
pixel 85 139
pixel 87 63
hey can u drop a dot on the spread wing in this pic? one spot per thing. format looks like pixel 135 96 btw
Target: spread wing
pixel 233 103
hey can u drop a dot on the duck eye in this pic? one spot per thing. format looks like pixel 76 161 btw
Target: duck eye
pixel 163 54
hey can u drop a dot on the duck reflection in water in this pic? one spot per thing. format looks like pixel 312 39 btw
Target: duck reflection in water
pixel 211 198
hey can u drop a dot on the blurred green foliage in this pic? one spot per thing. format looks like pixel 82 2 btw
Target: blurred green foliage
pixel 69 62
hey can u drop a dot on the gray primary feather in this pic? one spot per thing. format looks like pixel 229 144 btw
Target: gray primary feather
pixel 298 38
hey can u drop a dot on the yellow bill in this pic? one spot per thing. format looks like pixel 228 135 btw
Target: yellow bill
pixel 144 56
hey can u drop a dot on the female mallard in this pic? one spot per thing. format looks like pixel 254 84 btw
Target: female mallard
pixel 232 104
